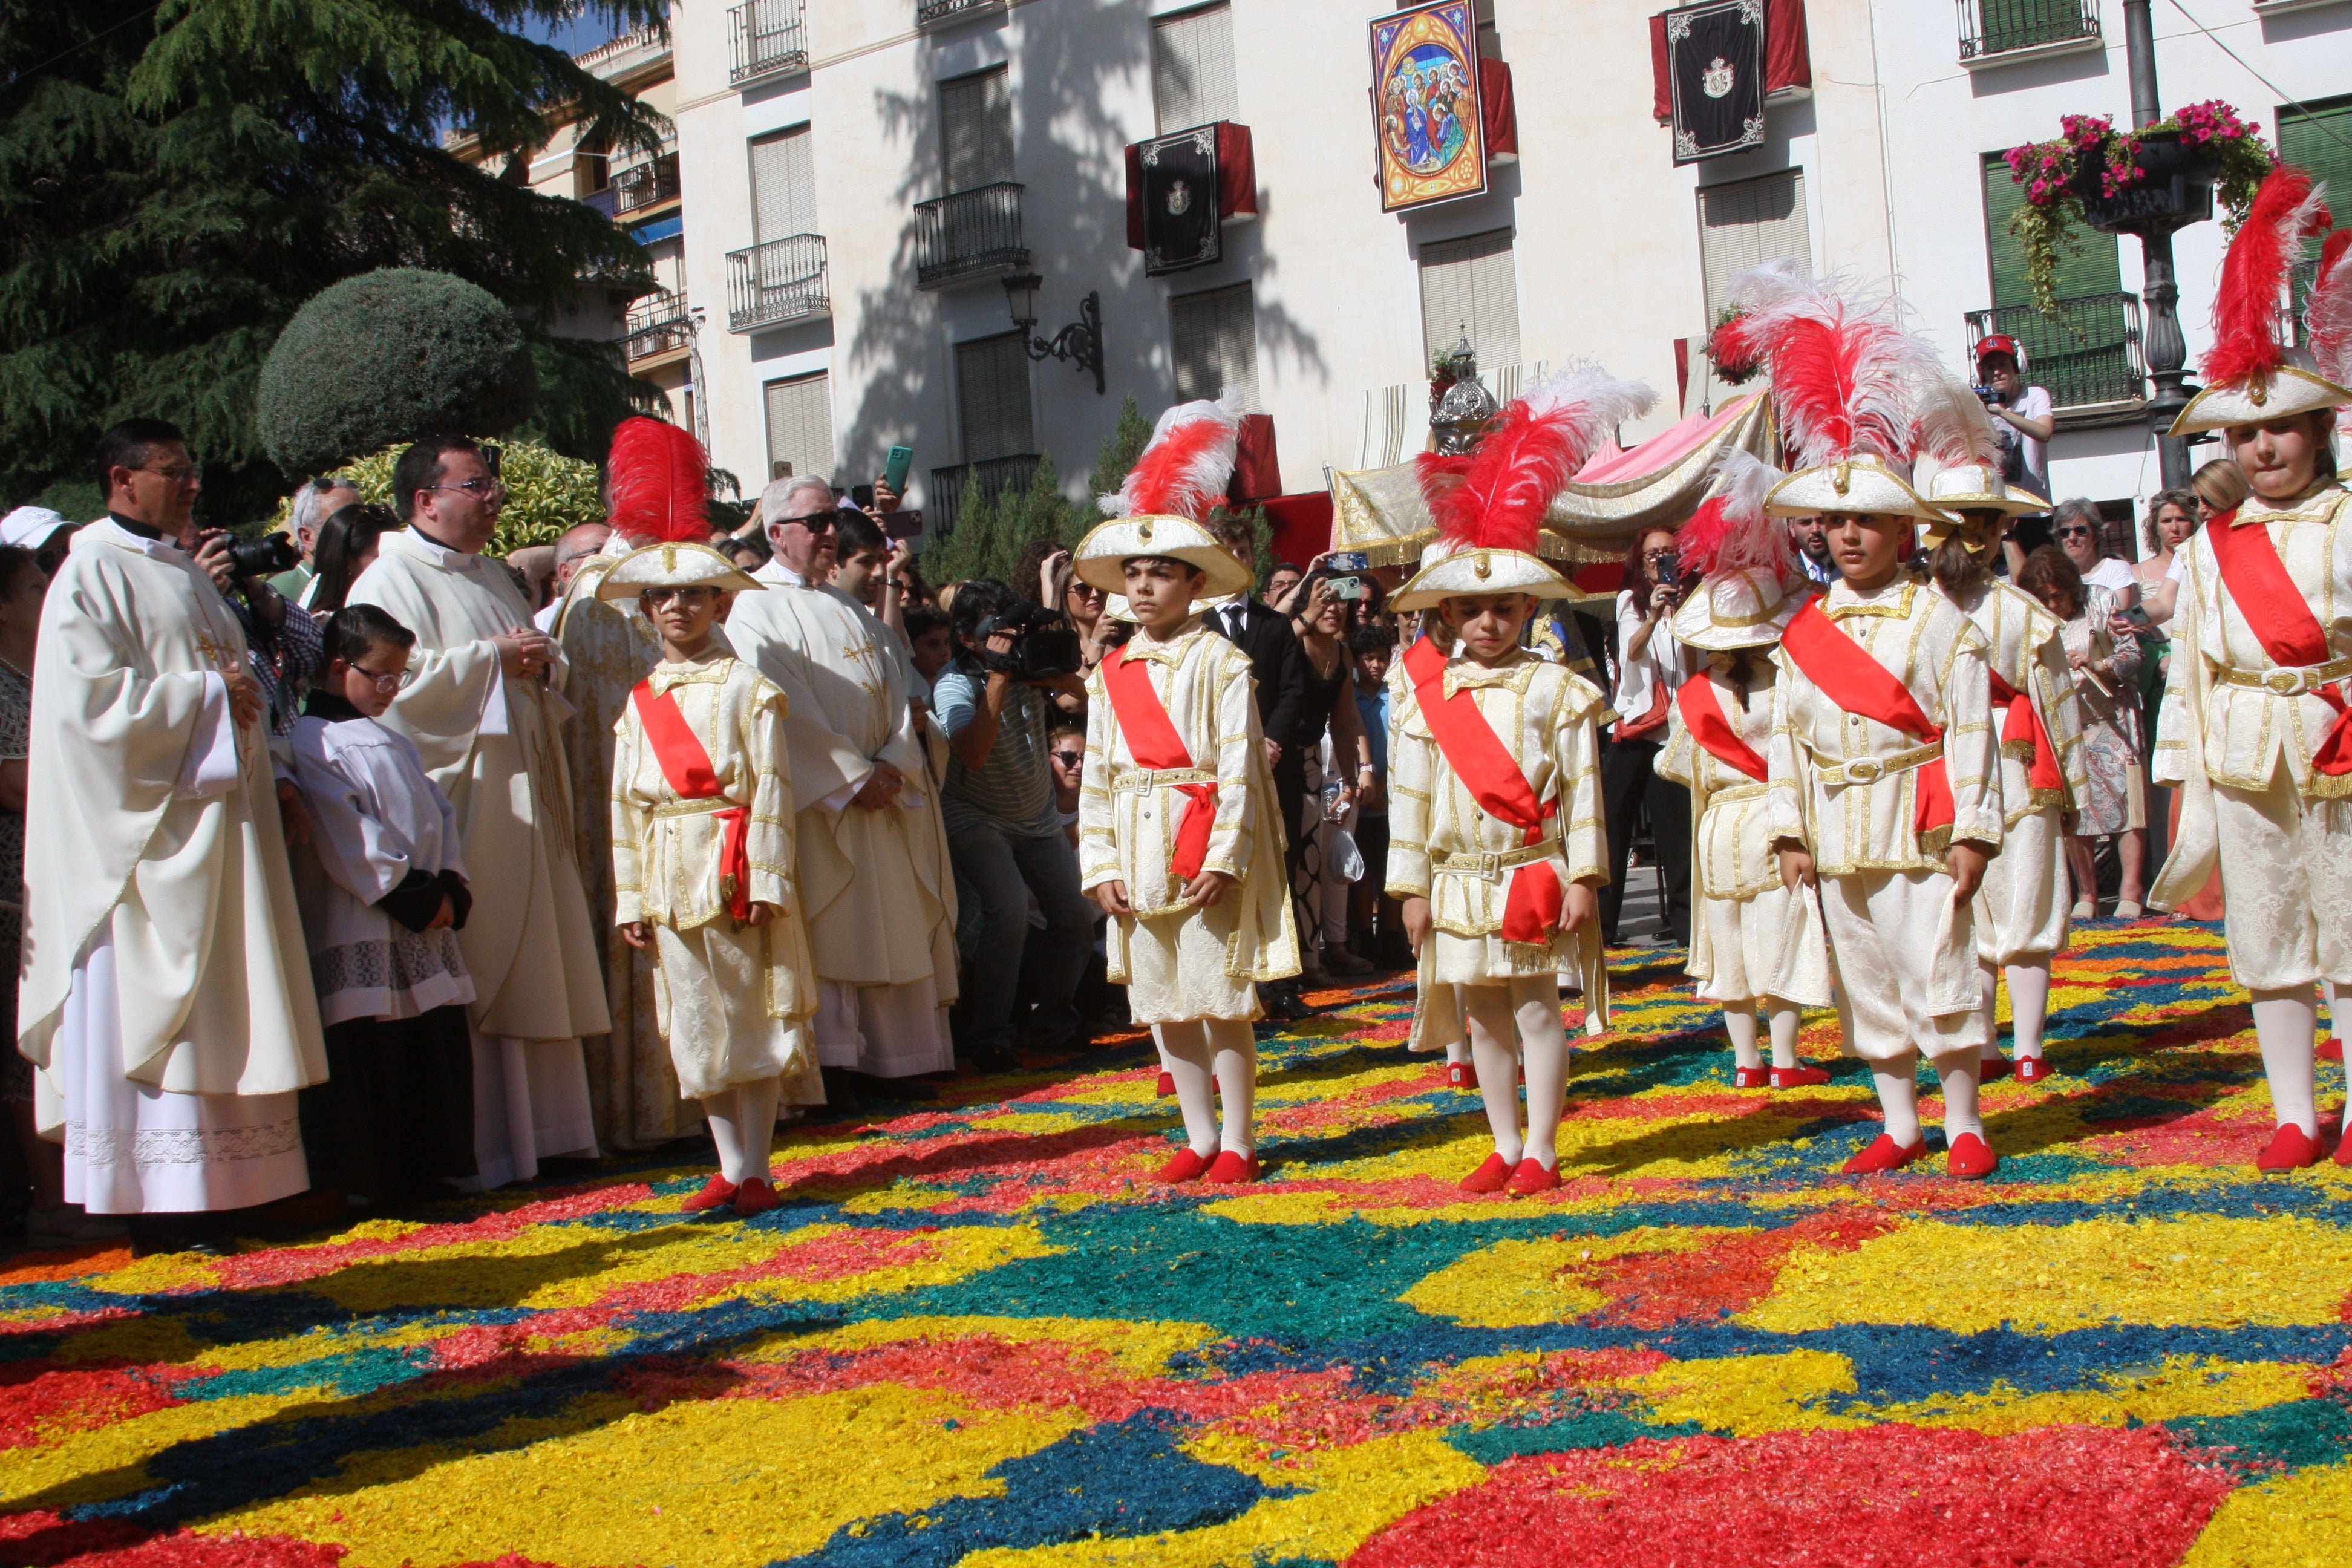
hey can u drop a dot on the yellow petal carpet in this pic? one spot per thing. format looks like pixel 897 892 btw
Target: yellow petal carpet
pixel 976 1333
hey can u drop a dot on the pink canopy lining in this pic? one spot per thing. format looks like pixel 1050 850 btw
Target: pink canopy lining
pixel 1662 451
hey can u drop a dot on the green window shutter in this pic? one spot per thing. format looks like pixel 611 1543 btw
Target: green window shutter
pixel 2319 139
pixel 2092 268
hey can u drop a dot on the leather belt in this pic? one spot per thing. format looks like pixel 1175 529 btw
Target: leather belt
pixel 1870 770
pixel 2287 680
pixel 1135 780
pixel 1492 865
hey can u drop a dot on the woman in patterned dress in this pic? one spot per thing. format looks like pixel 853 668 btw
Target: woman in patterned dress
pixel 2106 671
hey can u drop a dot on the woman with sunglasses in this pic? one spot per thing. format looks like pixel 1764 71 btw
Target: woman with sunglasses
pixel 2106 673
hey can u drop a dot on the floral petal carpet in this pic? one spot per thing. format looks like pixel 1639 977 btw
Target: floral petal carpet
pixel 975 1334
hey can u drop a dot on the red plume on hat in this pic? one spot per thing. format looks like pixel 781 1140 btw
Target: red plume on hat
pixel 1495 498
pixel 1729 533
pixel 1187 467
pixel 659 484
pixel 1844 373
pixel 2287 210
pixel 2327 314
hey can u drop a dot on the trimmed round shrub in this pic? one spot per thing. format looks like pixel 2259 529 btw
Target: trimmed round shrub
pixel 547 492
pixel 388 357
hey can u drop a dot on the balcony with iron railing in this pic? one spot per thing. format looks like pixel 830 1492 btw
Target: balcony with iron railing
pixel 2013 27
pixel 781 281
pixel 765 39
pixel 641 187
pixel 656 325
pixel 932 13
pixel 944 504
pixel 2090 357
pixel 971 234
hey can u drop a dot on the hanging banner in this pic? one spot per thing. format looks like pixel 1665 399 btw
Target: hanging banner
pixel 1431 131
pixel 1181 226
pixel 1714 65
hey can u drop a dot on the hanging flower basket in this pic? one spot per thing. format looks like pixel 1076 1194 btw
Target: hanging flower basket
pixel 1735 365
pixel 2125 181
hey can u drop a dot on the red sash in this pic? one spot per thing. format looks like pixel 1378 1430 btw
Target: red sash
pixel 2281 620
pixel 1480 760
pixel 2023 722
pixel 686 766
pixel 1704 717
pixel 1153 743
pixel 1858 683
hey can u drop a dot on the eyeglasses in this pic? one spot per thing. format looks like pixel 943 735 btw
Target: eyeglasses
pixel 386 684
pixel 1070 759
pixel 172 473
pixel 2074 533
pixel 815 522
pixel 480 490
pixel 693 595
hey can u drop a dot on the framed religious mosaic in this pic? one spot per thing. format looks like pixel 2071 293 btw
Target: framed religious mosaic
pixel 1428 126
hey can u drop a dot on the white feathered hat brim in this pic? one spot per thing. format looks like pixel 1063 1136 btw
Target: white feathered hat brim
pixel 1865 486
pixel 678 565
pixel 1101 557
pixel 1737 609
pixel 2291 390
pixel 1477 572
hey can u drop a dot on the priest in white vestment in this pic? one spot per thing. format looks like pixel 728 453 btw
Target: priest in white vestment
pixel 876 891
pixel 485 711
pixel 167 995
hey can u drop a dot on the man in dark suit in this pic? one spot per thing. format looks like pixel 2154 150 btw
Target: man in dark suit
pixel 1278 666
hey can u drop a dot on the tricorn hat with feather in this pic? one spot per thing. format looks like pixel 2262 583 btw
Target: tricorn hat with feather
pixel 2249 377
pixel 1163 507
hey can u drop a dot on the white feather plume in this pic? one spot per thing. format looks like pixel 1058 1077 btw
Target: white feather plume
pixel 1187 463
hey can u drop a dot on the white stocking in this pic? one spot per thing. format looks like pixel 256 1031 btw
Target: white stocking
pixel 756 1101
pixel 2286 1021
pixel 2029 1007
pixel 1457 1051
pixel 1740 1023
pixel 1543 1041
pixel 1493 1044
pixel 1898 1097
pixel 1184 1048
pixel 2336 1021
pixel 723 1109
pixel 1234 1046
pixel 1958 1069
pixel 1785 1021
pixel 1990 979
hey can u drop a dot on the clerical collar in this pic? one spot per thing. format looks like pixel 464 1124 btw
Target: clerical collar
pixel 786 575
pixel 141 528
pixel 445 554
pixel 331 706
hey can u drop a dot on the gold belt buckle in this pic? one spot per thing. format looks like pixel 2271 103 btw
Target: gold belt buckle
pixel 2285 682
pixel 1864 770
pixel 1486 863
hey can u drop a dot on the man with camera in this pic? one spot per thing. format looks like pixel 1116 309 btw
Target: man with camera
pixel 2023 420
pixel 1003 829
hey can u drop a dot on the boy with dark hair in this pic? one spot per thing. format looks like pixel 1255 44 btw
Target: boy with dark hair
pixel 1373 647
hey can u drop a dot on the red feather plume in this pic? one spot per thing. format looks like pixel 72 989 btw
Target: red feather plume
pixel 2286 210
pixel 2327 311
pixel 1844 373
pixel 1495 498
pixel 659 484
pixel 1188 465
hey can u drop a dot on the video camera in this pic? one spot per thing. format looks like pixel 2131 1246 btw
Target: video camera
pixel 262 557
pixel 1043 645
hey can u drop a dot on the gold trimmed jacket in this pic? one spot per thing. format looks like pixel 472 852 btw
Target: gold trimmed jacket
pixel 2024 647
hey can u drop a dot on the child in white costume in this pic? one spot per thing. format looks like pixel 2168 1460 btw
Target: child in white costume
pixel 2253 729
pixel 1495 843
pixel 1757 945
pixel 702 864
pixel 1882 761
pixel 1179 836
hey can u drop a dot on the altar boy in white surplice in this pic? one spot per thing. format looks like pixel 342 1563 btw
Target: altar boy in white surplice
pixel 166 995
pixel 484 712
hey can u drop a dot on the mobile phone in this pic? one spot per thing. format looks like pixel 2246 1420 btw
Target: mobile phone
pixel 1350 561
pixel 861 496
pixel 2138 616
pixel 906 523
pixel 894 468
pixel 1347 587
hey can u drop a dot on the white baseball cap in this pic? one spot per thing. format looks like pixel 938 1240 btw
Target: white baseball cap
pixel 31 526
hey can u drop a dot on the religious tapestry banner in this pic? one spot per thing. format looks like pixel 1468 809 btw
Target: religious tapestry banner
pixel 1715 62
pixel 1430 128
pixel 1181 226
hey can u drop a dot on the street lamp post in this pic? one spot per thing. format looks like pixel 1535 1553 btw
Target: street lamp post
pixel 2168 351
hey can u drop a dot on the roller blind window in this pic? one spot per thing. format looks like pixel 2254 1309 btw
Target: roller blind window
pixel 993 398
pixel 1215 336
pixel 783 186
pixel 1471 286
pixel 1744 224
pixel 976 129
pixel 800 426
pixel 1192 68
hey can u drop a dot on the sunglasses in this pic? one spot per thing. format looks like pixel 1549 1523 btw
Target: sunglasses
pixel 2074 533
pixel 1070 759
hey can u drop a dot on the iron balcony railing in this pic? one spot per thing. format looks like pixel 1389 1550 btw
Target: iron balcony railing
pixel 2090 355
pixel 927 12
pixel 996 476
pixel 599 201
pixel 765 38
pixel 2001 26
pixel 969 235
pixel 643 186
pixel 782 280
pixel 658 325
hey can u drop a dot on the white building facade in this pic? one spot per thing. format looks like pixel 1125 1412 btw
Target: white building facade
pixel 855 179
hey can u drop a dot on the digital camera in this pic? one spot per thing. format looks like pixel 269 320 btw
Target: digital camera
pixel 1043 645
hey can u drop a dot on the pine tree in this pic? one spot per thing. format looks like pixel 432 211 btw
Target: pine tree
pixel 175 184
pixel 1120 451
pixel 989 536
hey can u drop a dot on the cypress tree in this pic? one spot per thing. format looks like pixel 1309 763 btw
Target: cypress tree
pixel 176 180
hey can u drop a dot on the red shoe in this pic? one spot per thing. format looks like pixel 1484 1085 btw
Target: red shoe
pixel 1992 1070
pixel 717 1192
pixel 1531 1177
pixel 1461 1075
pixel 2033 1070
pixel 2290 1149
pixel 1885 1154
pixel 1186 1166
pixel 1230 1169
pixel 2333 1051
pixel 2344 1152
pixel 1751 1077
pixel 1971 1159
pixel 1488 1177
pixel 1799 1076
pixel 754 1196
pixel 1166 1084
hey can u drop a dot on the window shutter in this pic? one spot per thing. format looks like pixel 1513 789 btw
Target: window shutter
pixel 1192 68
pixel 976 128
pixel 2095 268
pixel 1745 224
pixel 783 186
pixel 1214 335
pixel 2319 139
pixel 993 396
pixel 1471 286
pixel 800 424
